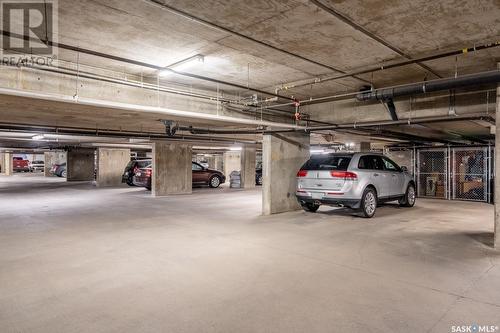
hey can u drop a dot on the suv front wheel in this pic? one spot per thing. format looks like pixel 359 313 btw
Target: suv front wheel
pixel 369 203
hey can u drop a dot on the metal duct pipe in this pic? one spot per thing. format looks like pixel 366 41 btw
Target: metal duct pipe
pixel 422 120
pixel 431 86
pixel 76 132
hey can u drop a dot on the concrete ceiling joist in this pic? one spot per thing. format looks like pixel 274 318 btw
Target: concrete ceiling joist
pixel 373 36
pixel 165 6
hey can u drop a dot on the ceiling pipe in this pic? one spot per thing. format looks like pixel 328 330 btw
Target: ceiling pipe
pixel 421 120
pixel 73 131
pixel 387 94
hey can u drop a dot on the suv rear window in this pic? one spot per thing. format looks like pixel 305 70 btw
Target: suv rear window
pixel 327 162
pixel 143 164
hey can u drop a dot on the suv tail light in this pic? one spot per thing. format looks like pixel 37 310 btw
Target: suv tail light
pixel 302 173
pixel 346 175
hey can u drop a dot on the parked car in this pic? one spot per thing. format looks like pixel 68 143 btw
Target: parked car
pixel 59 170
pixel 201 176
pixel 132 167
pixel 356 180
pixel 258 176
pixel 20 165
pixel 37 166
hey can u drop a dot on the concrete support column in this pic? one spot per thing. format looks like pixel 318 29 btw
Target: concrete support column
pixel 80 165
pixel 52 158
pixel 7 164
pixel 497 173
pixel 232 162
pixel 282 156
pixel 172 171
pixel 111 163
pixel 248 167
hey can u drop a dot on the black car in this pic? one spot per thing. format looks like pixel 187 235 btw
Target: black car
pixel 131 168
pixel 258 176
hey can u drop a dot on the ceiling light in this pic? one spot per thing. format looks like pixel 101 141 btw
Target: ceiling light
pixel 184 64
pixel 38 137
pixel 235 149
pixel 316 151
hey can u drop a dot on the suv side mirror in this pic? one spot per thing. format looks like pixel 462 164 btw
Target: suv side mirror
pixel 404 169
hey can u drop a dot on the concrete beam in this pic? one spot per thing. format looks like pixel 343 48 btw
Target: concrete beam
pixel 281 159
pixel 111 163
pixel 52 158
pixel 248 167
pixel 497 173
pixel 172 171
pixel 80 165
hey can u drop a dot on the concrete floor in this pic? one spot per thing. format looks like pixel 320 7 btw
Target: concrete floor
pixel 74 258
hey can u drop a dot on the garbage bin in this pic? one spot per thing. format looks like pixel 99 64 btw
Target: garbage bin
pixel 235 179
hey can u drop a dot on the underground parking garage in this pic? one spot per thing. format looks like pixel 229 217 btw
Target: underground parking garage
pixel 278 166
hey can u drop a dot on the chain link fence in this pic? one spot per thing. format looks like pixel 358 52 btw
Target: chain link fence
pixel 432 173
pixel 455 173
pixel 470 174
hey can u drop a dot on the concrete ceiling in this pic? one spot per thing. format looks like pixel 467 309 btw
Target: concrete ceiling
pixel 143 31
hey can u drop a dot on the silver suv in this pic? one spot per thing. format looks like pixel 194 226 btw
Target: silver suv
pixel 356 180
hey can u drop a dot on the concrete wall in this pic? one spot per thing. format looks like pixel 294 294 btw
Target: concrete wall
pixel 219 163
pixel 111 163
pixel 172 173
pixel 232 162
pixel 281 159
pixel 51 158
pixel 80 164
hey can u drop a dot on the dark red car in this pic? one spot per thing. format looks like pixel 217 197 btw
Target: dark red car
pixel 201 176
pixel 20 165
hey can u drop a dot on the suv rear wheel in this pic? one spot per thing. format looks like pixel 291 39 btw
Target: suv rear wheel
pixel 369 203
pixel 409 199
pixel 310 207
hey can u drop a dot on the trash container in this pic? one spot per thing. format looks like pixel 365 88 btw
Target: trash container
pixel 235 179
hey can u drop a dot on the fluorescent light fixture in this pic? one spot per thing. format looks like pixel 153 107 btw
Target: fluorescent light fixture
pixel 38 137
pixel 235 148
pixel 316 151
pixel 184 64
